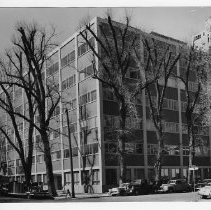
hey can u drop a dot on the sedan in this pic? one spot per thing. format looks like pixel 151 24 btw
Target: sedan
pixel 205 192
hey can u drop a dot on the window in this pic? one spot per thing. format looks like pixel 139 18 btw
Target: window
pixel 52 69
pixel 185 150
pixel 86 72
pixel 68 177
pixel 90 149
pixel 85 47
pixel 69 58
pixel 192 86
pixel 138 173
pixel 134 74
pixel 56 111
pixel 93 95
pixel 111 176
pixel 129 148
pixel 69 82
pixel 139 148
pixel 172 150
pixel 39 177
pixel 18 162
pixel 95 177
pixel 152 149
pixel 18 93
pixel 40 158
pixel 56 155
pixel 19 109
pixel 88 97
pixel 45 179
pixel 11 163
pixel 33 160
pixel 66 153
pixel 56 133
pixel 38 139
pixel 74 152
pixel 171 127
pixel 164 172
pixel 110 147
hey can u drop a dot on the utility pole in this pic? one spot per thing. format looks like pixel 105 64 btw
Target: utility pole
pixel 71 156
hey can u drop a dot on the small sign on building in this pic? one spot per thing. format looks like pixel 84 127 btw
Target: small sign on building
pixel 193 168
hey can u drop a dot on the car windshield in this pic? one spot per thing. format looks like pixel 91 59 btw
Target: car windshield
pixel 124 185
pixel 172 181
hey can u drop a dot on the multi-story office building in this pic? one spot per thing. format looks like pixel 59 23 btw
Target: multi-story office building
pixel 203 39
pixel 71 67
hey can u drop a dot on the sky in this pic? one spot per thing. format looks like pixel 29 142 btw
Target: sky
pixel 178 22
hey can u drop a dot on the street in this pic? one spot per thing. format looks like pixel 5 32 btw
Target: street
pixel 173 197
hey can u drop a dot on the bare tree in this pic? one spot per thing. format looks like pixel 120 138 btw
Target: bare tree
pixel 3 164
pixel 193 76
pixel 32 44
pixel 12 123
pixel 115 54
pixel 160 61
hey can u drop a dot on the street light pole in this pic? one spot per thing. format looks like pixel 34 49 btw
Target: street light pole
pixel 71 156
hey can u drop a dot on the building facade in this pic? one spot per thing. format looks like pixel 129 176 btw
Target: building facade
pixel 93 113
pixel 202 39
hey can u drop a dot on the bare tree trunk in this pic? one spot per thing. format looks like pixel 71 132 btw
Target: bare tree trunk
pixel 48 163
pixel 158 164
pixel 122 163
pixel 190 156
pixel 121 145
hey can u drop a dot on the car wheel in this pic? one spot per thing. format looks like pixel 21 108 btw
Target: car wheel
pixel 171 190
pixel 204 196
pixel 136 192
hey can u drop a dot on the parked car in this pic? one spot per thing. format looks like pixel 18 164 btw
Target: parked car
pixel 135 187
pixel 4 189
pixel 175 185
pixel 38 193
pixel 199 186
pixel 205 192
pixel 123 189
pixel 138 187
pixel 206 181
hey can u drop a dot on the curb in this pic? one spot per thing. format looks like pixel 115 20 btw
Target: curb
pixel 81 197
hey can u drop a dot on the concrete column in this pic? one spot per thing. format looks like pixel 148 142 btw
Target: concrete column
pixel 77 105
pixel 100 124
pixel 60 118
pixel 180 117
pixel 144 119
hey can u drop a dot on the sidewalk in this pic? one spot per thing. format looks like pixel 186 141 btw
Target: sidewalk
pixel 82 196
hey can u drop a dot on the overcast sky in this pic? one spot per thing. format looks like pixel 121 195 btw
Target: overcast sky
pixel 178 22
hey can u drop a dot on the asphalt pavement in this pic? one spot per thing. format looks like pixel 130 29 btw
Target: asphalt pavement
pixel 172 197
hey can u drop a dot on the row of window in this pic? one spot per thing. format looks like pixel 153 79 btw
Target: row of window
pixel 73 129
pixel 130 148
pixel 69 58
pixel 71 105
pixel 137 148
pixel 67 177
pixel 89 149
pixel 56 111
pixel 172 127
pixel 82 49
pixel 52 69
pixel 86 72
pixel 54 134
pixel 74 152
pixel 88 97
pixel 175 150
pixel 192 86
pixel 69 82
pixel 111 121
